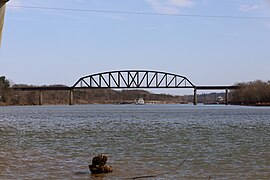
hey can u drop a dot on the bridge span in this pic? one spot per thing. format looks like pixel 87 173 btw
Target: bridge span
pixel 128 79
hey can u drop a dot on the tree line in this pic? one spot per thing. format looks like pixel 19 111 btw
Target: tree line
pixel 251 93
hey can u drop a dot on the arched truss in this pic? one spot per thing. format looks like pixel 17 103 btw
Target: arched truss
pixel 133 79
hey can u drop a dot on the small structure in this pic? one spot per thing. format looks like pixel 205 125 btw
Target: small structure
pixel 220 100
pixel 99 166
pixel 140 102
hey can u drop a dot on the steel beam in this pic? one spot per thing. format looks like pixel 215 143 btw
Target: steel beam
pixel 216 87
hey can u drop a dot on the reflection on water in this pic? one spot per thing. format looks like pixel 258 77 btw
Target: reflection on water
pixel 58 142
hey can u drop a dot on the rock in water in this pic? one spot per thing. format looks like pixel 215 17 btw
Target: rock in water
pixel 99 166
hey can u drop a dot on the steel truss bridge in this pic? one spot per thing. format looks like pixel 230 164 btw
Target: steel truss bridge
pixel 133 79
pixel 129 79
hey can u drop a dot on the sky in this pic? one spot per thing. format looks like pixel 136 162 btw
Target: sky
pixel 58 47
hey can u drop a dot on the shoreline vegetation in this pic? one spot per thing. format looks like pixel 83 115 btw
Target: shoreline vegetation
pixel 255 93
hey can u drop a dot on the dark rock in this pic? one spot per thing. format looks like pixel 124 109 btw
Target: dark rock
pixel 99 166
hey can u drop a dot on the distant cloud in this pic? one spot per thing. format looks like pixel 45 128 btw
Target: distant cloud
pixel 247 8
pixel 262 5
pixel 261 8
pixel 170 6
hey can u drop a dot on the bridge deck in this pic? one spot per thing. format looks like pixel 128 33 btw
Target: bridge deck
pixel 216 87
pixel 57 88
pixel 50 88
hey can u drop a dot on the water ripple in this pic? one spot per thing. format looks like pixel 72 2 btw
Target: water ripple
pixel 58 142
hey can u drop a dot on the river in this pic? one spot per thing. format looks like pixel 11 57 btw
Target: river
pixel 59 142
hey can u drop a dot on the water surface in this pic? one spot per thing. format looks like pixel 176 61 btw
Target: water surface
pixel 58 142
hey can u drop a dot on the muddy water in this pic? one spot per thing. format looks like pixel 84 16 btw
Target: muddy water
pixel 58 142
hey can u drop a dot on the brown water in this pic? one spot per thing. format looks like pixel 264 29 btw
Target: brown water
pixel 58 142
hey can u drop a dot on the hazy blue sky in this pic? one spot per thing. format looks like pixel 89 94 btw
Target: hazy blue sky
pixel 57 47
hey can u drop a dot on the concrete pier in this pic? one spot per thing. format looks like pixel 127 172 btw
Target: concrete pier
pixel 195 99
pixel 226 96
pixel 71 97
pixel 40 98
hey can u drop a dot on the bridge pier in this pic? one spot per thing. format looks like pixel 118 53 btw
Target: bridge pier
pixel 195 98
pixel 71 97
pixel 40 98
pixel 226 96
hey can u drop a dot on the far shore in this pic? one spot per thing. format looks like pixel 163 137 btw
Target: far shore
pixel 132 103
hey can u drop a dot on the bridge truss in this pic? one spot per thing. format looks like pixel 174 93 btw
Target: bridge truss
pixel 133 79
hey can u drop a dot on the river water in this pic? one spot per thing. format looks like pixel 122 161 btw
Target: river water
pixel 59 142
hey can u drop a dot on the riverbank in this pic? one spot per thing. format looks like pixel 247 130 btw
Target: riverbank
pixel 91 96
pixel 101 103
